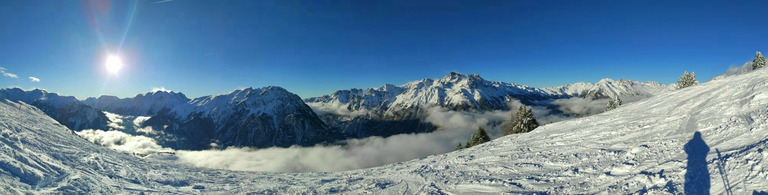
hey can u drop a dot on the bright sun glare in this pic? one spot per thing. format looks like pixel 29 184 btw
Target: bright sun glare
pixel 114 64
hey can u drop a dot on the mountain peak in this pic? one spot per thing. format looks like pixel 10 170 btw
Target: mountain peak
pixel 455 77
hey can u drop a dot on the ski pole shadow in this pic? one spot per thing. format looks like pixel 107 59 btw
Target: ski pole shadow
pixel 697 179
pixel 723 173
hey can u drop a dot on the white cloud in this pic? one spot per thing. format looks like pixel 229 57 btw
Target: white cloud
pixel 162 89
pixel 34 79
pixel 454 127
pixel 581 106
pixel 735 70
pixel 322 108
pixel 124 142
pixel 114 121
pixel 355 154
pixel 8 74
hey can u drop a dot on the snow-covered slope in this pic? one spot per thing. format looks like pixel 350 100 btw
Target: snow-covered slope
pixel 712 137
pixel 65 109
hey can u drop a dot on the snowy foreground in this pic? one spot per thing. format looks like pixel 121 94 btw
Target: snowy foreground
pixel 646 146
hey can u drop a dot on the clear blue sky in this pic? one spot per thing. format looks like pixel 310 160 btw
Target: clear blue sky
pixel 313 47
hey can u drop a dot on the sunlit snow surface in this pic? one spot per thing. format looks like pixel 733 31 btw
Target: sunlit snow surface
pixel 636 148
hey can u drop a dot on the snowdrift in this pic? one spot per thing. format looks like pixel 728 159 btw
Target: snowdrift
pixel 709 138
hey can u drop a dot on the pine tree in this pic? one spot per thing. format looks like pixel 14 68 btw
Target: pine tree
pixel 759 61
pixel 687 80
pixel 522 121
pixel 478 138
pixel 613 104
pixel 459 147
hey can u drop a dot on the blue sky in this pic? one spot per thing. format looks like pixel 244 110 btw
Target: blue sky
pixel 313 48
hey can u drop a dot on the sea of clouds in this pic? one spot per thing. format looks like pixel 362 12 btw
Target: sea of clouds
pixel 454 127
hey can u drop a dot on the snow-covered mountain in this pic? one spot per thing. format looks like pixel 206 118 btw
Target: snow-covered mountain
pixel 609 88
pixel 454 91
pixel 394 109
pixel 265 117
pixel 707 139
pixel 65 109
pixel 142 105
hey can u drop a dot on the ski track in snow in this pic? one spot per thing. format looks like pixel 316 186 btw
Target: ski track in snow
pixel 637 148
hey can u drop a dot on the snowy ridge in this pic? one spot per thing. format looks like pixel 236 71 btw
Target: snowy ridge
pixel 143 104
pixel 390 109
pixel 650 146
pixel 609 88
pixel 269 116
pixel 467 93
pixel 65 109
pixel 454 91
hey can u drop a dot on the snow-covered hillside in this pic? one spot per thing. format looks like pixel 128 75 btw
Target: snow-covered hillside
pixel 712 138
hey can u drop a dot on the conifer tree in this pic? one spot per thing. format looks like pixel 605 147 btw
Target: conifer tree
pixel 613 104
pixel 459 147
pixel 687 80
pixel 759 61
pixel 478 138
pixel 522 121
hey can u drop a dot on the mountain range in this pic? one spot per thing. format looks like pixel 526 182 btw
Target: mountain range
pixel 389 109
pixel 273 116
pixel 708 138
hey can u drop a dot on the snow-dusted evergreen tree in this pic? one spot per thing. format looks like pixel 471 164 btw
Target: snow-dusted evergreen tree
pixel 522 121
pixel 613 104
pixel 687 80
pixel 759 61
pixel 459 147
pixel 478 138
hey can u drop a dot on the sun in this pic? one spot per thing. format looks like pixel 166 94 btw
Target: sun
pixel 114 64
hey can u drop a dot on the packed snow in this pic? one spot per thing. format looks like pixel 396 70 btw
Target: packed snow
pixel 708 138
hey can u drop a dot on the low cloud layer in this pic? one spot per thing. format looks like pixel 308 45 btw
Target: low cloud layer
pixel 356 154
pixel 336 108
pixel 581 106
pixel 454 127
pixel 122 141
pixel 34 79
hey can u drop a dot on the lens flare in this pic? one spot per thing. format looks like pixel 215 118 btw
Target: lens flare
pixel 114 64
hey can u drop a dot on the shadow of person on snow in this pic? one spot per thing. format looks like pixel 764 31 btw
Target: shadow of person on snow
pixel 697 175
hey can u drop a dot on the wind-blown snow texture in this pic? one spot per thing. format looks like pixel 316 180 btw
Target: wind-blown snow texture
pixel 646 146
